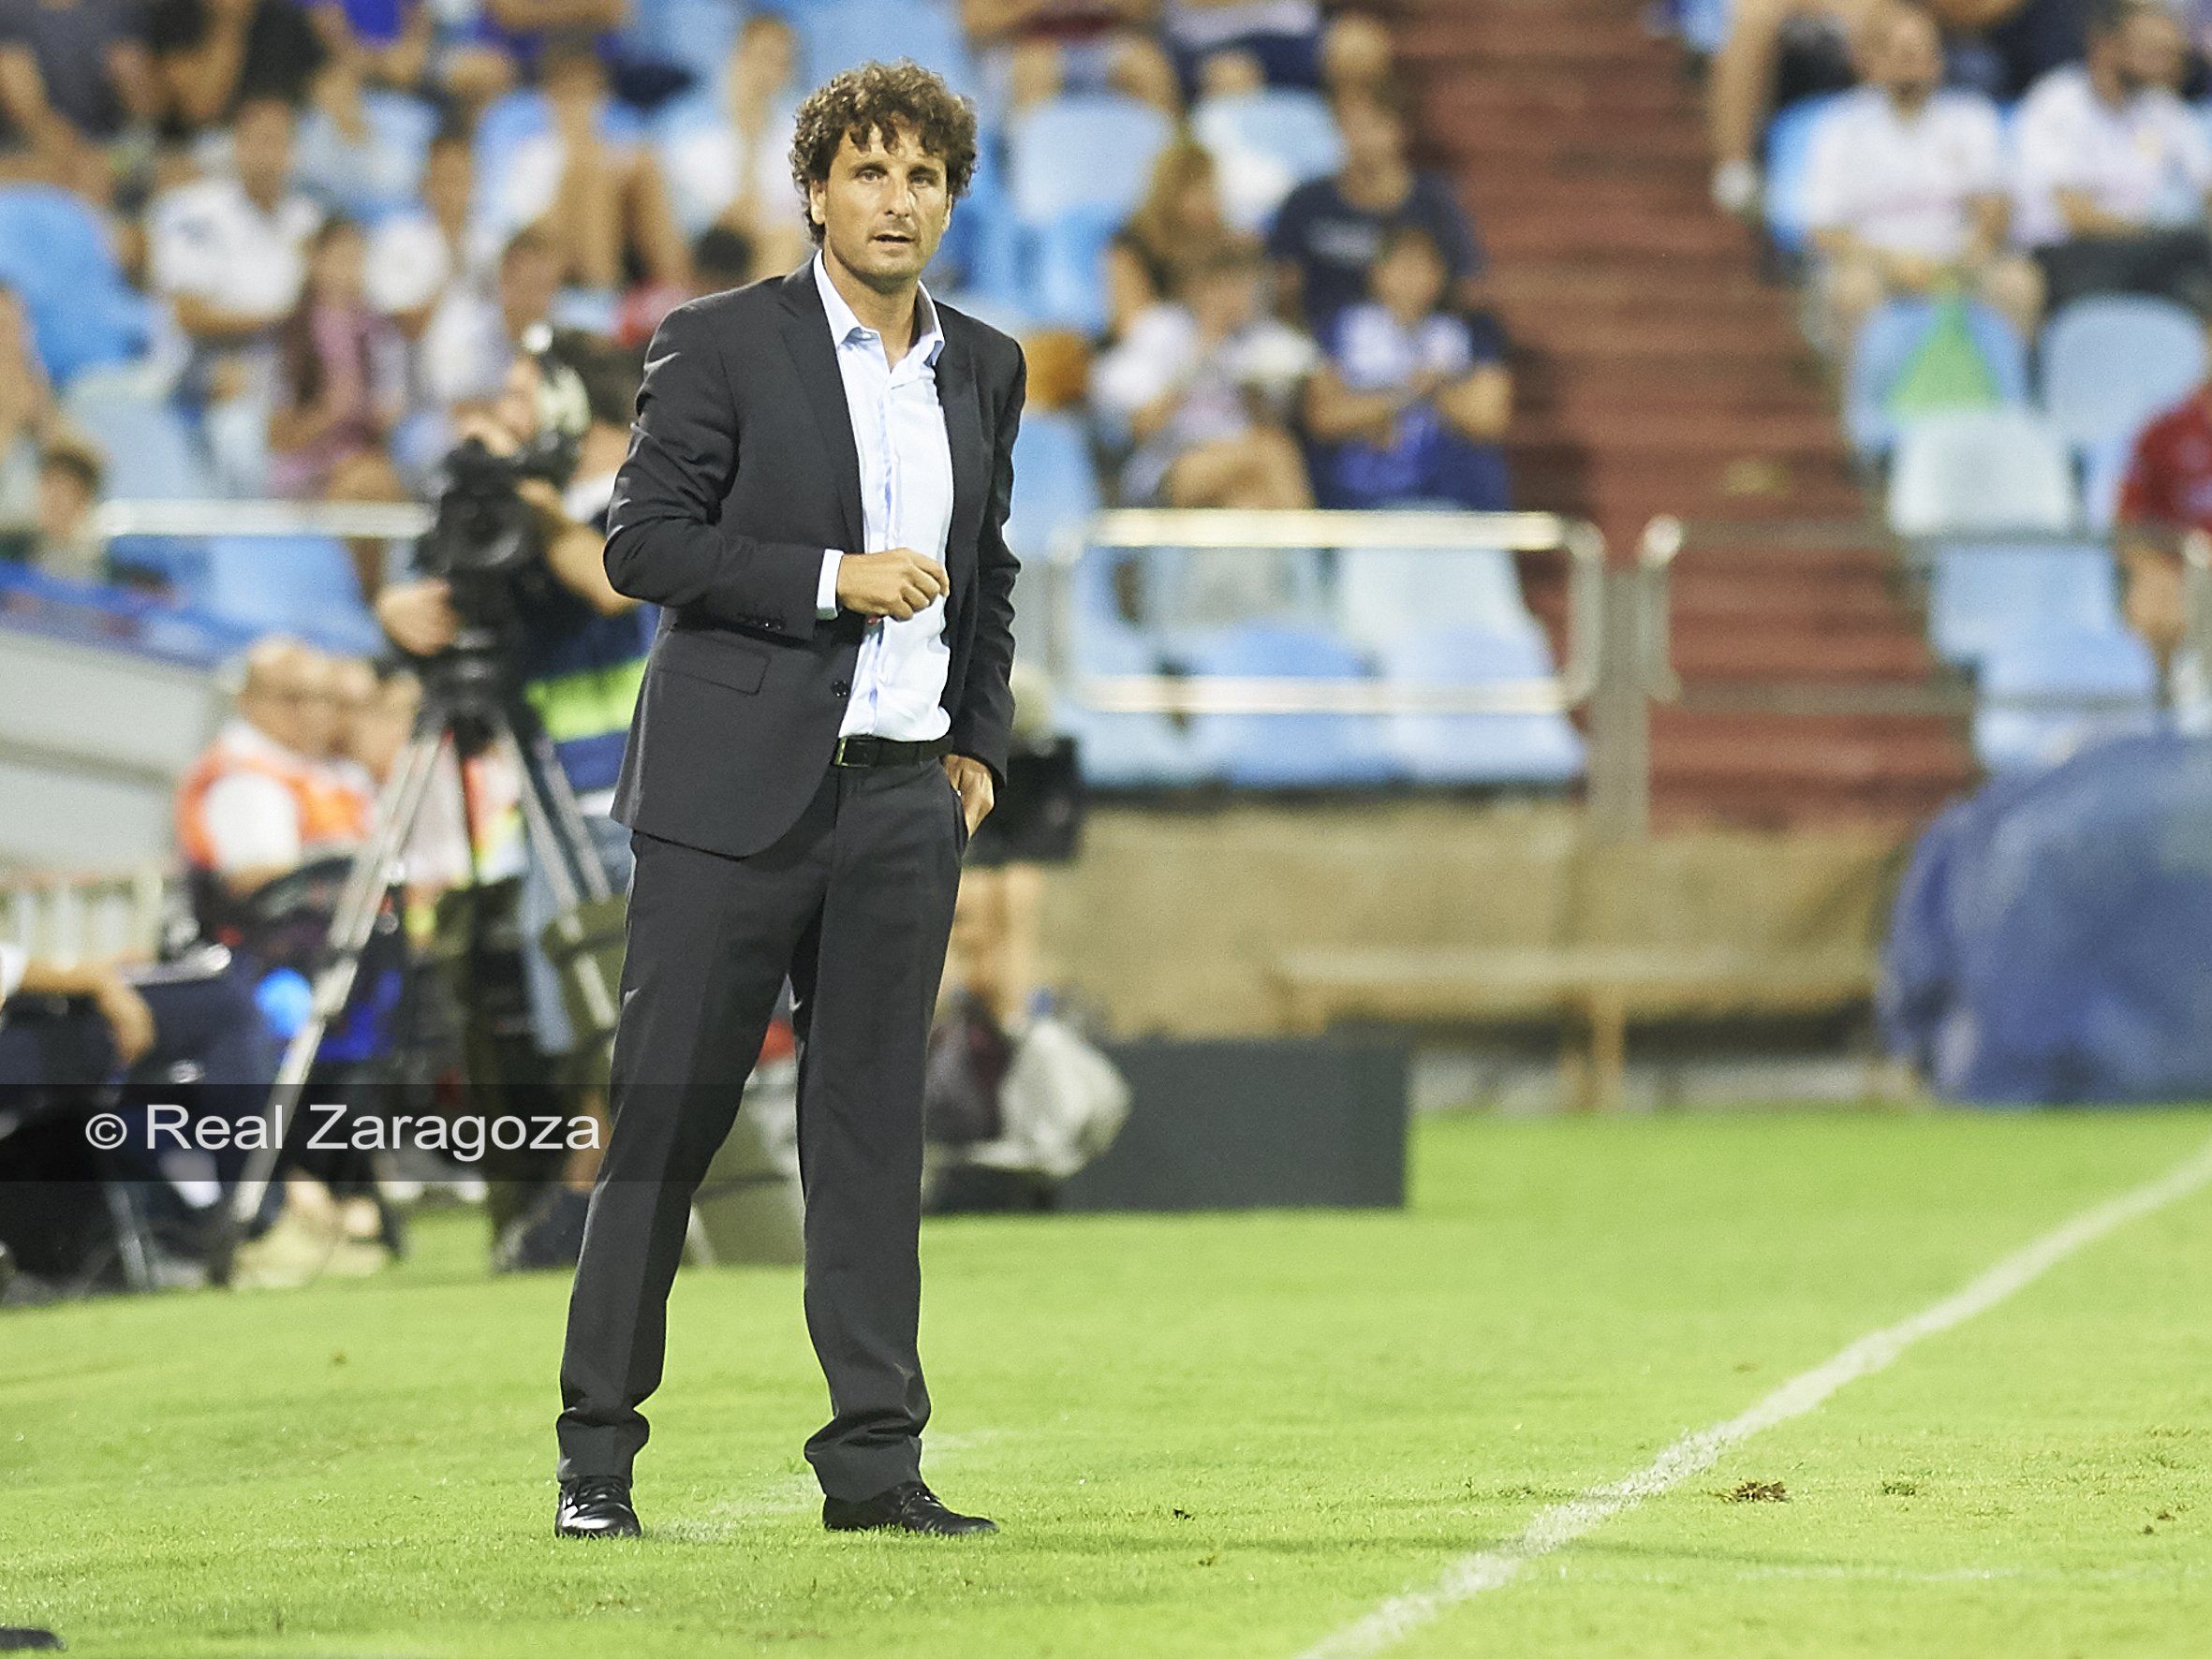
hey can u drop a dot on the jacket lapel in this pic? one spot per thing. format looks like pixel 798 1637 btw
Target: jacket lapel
pixel 806 336
pixel 961 400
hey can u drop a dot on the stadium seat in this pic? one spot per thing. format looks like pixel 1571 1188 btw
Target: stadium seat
pixel 1982 593
pixel 1124 749
pixel 1265 144
pixel 1982 470
pixel 2104 471
pixel 1380 591
pixel 400 127
pixel 1502 749
pixel 1067 285
pixel 1884 347
pixel 2113 363
pixel 298 584
pixel 693 35
pixel 1091 151
pixel 1287 751
pixel 150 455
pixel 509 123
pixel 55 252
pixel 1788 168
pixel 1057 487
pixel 838 34
pixel 2115 667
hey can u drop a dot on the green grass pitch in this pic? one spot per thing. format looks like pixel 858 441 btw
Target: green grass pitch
pixel 1211 1435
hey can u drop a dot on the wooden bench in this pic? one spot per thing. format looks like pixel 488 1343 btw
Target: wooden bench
pixel 1598 990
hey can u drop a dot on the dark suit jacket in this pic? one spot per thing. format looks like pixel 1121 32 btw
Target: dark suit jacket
pixel 742 470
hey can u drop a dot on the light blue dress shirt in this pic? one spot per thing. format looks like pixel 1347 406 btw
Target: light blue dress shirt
pixel 898 428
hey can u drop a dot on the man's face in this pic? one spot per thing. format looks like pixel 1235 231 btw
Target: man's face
pixel 1409 279
pixel 1907 59
pixel 883 209
pixel 1373 136
pixel 2153 51
pixel 261 147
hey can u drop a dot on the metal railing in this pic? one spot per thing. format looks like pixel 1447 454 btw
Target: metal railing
pixel 1226 532
pixel 386 521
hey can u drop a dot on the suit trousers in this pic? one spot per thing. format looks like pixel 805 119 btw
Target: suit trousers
pixel 854 903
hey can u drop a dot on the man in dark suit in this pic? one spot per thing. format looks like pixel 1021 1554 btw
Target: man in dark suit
pixel 815 493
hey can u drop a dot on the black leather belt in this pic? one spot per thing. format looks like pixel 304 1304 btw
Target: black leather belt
pixel 869 750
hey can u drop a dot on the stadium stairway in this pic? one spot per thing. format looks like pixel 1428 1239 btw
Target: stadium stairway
pixel 1658 373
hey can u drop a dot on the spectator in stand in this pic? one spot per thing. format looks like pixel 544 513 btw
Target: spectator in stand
pixel 415 259
pixel 1206 385
pixel 1357 54
pixel 1177 225
pixel 70 476
pixel 390 39
pixel 26 418
pixel 73 75
pixel 345 155
pixel 2166 495
pixel 261 802
pixel 342 387
pixel 1411 404
pixel 1781 51
pixel 2114 169
pixel 1327 232
pixel 229 254
pixel 1284 37
pixel 603 207
pixel 1906 187
pixel 1030 48
pixel 736 172
pixel 475 337
pixel 214 57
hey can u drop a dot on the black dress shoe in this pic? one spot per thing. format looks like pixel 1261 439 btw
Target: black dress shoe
pixel 911 1508
pixel 596 1506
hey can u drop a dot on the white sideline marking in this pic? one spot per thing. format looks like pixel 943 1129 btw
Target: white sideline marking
pixel 1563 1523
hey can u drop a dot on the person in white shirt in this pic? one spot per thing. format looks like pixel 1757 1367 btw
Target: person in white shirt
pixel 228 252
pixel 1204 386
pixel 473 337
pixel 2114 172
pixel 735 169
pixel 1906 190
pixel 416 257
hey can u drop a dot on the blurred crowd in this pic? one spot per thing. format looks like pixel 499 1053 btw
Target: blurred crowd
pixel 314 233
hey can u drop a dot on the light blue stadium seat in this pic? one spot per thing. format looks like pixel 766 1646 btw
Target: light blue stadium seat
pixel 1382 592
pixel 2113 363
pixel 1265 144
pixel 1704 23
pixel 510 122
pixel 1287 751
pixel 2104 469
pixel 1124 749
pixel 400 127
pixel 1982 593
pixel 1884 347
pixel 150 455
pixel 1068 268
pixel 1788 169
pixel 1981 471
pixel 1092 150
pixel 297 584
pixel 694 35
pixel 2104 666
pixel 1539 749
pixel 835 34
pixel 1054 487
pixel 54 253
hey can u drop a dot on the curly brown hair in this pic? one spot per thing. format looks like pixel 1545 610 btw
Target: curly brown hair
pixel 880 101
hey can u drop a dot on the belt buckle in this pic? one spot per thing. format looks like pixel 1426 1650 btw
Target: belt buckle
pixel 850 751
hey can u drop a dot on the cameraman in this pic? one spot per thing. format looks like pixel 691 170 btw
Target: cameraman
pixel 580 651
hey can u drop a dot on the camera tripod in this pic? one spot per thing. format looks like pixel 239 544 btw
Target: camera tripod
pixel 471 707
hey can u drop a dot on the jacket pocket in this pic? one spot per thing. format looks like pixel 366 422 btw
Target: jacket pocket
pixel 706 656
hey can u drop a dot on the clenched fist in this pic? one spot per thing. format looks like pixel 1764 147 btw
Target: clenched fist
pixel 897 583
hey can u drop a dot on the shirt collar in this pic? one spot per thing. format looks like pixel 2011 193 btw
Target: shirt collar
pixel 843 324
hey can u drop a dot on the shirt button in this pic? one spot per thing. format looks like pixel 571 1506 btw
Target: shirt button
pixel 841 688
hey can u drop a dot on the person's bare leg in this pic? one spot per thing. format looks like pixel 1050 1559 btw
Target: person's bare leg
pixel 652 227
pixel 1282 481
pixel 1739 83
pixel 1851 289
pixel 1221 473
pixel 586 218
pixel 2014 283
pixel 1021 941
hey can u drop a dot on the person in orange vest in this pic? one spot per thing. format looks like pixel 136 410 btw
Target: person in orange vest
pixel 264 800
